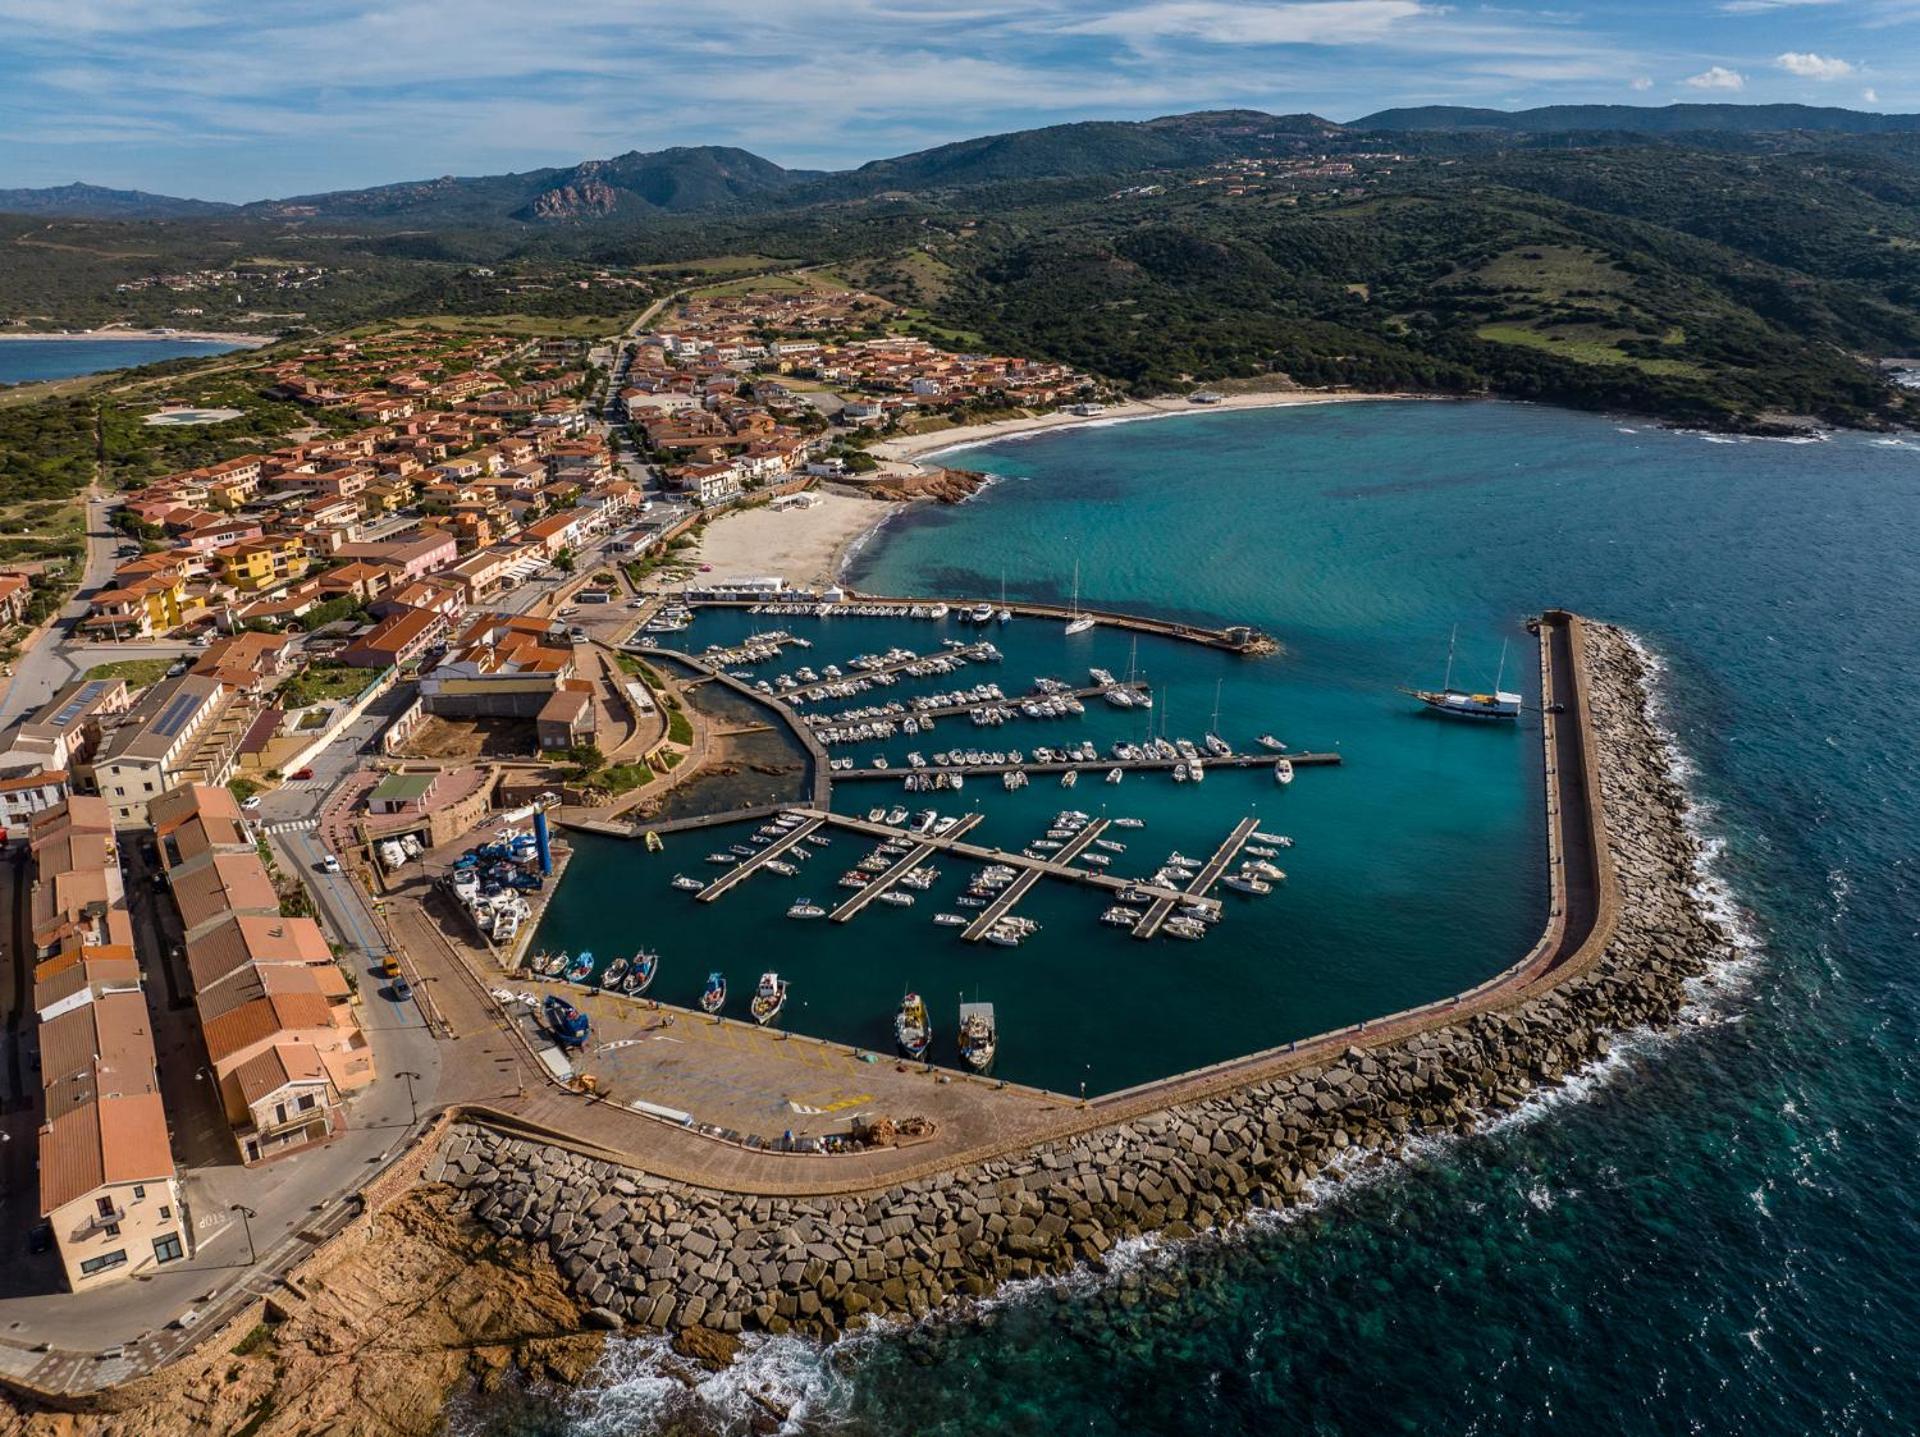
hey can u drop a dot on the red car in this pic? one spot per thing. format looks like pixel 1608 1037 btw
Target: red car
pixel 302 773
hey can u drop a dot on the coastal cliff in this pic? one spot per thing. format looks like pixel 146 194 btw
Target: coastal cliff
pixel 526 1243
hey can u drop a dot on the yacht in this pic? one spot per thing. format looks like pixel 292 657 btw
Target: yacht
pixel 1244 882
pixel 1077 622
pixel 1283 771
pixel 805 908
pixel 897 898
pixel 981 613
pixel 686 884
pixel 1461 704
pixel 949 920
pixel 1190 929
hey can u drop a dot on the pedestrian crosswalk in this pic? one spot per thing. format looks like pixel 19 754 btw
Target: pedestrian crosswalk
pixel 305 785
pixel 292 825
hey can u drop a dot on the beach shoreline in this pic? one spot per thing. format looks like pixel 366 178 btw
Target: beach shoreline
pixel 805 545
pixel 196 336
pixel 910 450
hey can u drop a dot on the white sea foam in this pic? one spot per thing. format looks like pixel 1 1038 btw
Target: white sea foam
pixel 640 1385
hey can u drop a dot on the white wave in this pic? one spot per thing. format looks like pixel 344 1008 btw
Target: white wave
pixel 1107 421
pixel 641 1385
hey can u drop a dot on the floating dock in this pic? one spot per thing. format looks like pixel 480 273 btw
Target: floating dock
pixel 1196 891
pixel 923 846
pixel 1011 895
pixel 747 867
pixel 1098 765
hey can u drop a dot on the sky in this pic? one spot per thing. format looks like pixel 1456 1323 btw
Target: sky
pixel 240 100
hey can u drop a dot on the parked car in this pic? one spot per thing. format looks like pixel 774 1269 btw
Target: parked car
pixel 329 864
pixel 302 773
pixel 251 803
pixel 402 990
pixel 577 634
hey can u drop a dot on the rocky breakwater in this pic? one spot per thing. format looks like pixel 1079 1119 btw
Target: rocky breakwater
pixel 705 1265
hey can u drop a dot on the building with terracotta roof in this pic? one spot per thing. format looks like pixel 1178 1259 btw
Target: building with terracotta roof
pixel 276 1011
pixel 397 639
pixel 182 728
pixel 108 1187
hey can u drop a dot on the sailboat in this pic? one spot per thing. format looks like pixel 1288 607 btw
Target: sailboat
pixel 1077 623
pixel 1215 744
pixel 1459 703
pixel 1005 615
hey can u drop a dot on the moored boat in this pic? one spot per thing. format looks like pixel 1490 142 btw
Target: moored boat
pixel 769 998
pixel 805 908
pixel 640 973
pixel 579 967
pixel 615 974
pixel 1283 771
pixel 714 996
pixel 1450 702
pixel 979 1036
pixel 567 1023
pixel 912 1028
pixel 686 884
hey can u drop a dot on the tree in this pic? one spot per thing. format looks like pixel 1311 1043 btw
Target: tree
pixel 563 561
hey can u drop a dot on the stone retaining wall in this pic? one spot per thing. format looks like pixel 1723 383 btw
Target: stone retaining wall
pixel 642 1251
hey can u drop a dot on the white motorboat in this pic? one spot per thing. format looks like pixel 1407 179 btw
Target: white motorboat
pixel 1283 771
pixel 949 920
pixel 806 908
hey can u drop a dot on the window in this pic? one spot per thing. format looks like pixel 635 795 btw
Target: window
pixel 101 1263
pixel 166 1211
pixel 168 1249
pixel 139 1191
pixel 279 1112
pixel 104 1206
pixel 112 1229
pixel 306 1102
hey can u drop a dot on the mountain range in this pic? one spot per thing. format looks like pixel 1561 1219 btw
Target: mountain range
pixel 708 178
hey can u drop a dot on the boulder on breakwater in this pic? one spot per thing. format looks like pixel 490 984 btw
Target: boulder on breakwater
pixel 670 1257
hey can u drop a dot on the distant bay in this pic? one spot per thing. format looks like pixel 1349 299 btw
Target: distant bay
pixel 25 361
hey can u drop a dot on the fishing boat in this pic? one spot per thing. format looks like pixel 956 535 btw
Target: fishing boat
pixel 1069 778
pixel 550 965
pixel 1077 622
pixel 640 973
pixel 567 1023
pixel 912 1028
pixel 1450 702
pixel 769 998
pixel 949 920
pixel 579 967
pixel 1283 771
pixel 714 997
pixel 654 842
pixel 615 974
pixel 979 1037
pixel 805 908
pixel 686 884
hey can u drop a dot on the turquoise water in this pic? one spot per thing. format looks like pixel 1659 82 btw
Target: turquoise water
pixel 1718 1233
pixel 1417 868
pixel 25 360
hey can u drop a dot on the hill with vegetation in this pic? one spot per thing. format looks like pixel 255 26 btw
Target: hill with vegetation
pixel 1743 277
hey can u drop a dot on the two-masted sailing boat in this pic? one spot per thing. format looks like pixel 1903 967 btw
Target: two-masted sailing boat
pixel 1462 704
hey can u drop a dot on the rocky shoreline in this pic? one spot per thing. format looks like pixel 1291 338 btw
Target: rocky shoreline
pixel 645 1254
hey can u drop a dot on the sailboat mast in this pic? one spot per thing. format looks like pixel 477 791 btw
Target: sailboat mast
pixel 1501 677
pixel 1452 638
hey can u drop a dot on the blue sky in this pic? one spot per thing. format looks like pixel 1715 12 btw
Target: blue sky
pixel 239 99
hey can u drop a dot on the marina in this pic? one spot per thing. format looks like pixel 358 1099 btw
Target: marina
pixel 1058 826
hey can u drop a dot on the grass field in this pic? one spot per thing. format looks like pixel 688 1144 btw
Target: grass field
pixel 717 264
pixel 815 281
pixel 137 672
pixel 1585 347
pixel 578 326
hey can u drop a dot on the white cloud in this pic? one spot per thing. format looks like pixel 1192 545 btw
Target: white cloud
pixel 1809 66
pixel 1643 82
pixel 1718 77
pixel 1304 22
pixel 1763 7
pixel 1870 97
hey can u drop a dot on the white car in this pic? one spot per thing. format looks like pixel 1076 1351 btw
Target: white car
pixel 329 864
pixel 251 803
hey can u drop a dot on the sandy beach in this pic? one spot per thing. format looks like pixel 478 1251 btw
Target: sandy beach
pixel 915 447
pixel 254 341
pixel 804 546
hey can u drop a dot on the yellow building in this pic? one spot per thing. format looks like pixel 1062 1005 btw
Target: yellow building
pixel 257 564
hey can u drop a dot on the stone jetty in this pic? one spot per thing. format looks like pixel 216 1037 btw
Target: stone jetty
pixel 645 1253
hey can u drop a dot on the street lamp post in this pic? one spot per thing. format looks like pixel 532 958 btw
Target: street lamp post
pixel 412 1107
pixel 246 1226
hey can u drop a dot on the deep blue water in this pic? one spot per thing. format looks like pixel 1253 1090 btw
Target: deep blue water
pixel 24 360
pixel 1717 1233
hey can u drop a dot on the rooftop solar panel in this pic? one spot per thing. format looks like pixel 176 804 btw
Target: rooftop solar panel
pixel 174 716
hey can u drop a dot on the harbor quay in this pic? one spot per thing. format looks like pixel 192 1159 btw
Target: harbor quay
pixel 693 1174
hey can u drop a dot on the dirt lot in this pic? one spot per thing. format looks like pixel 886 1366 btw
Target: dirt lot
pixel 446 738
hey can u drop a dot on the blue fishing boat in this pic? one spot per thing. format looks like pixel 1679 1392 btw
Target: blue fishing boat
pixel 568 1024
pixel 715 996
pixel 579 967
pixel 640 973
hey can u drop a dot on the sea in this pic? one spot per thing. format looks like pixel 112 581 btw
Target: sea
pixel 1714 1232
pixel 24 361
